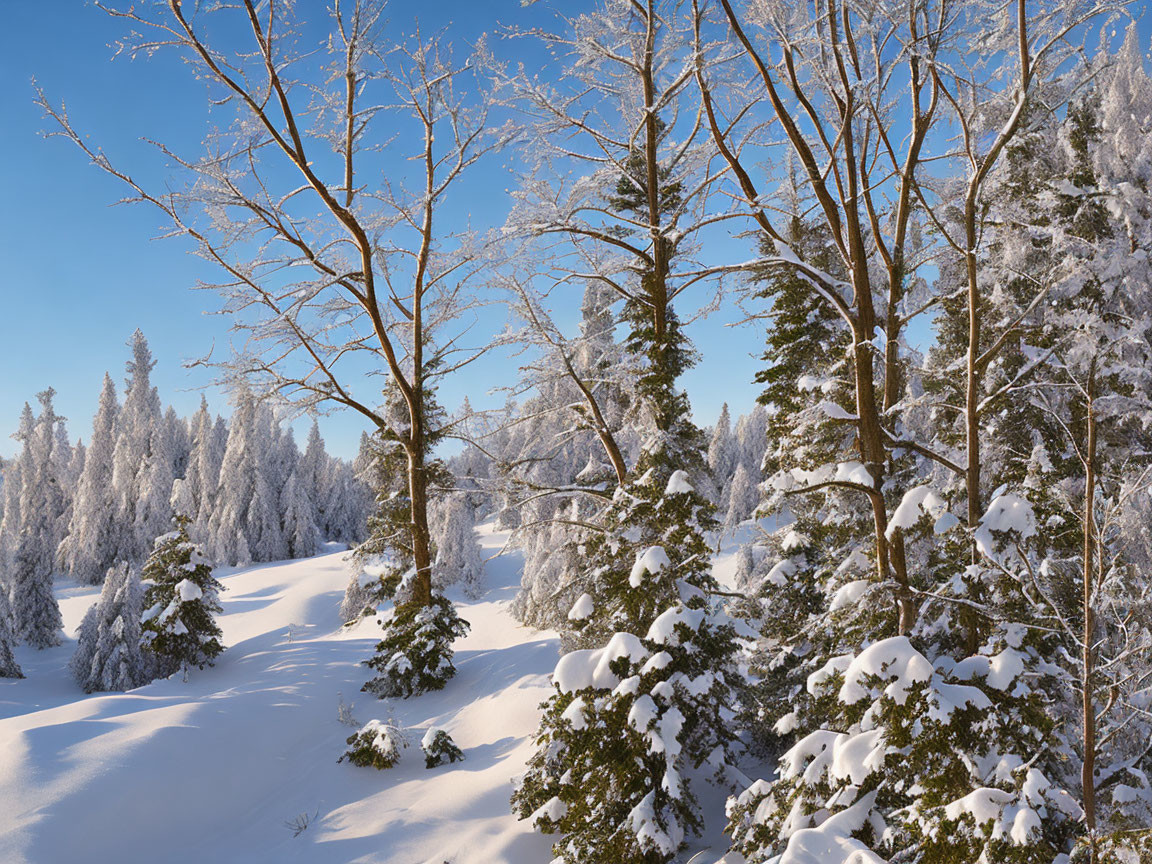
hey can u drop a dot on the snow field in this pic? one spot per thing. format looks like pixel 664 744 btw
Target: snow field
pixel 227 765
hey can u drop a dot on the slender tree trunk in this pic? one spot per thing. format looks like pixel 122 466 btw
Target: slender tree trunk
pixel 972 477
pixel 418 436
pixel 657 293
pixel 421 536
pixel 972 378
pixel 1088 708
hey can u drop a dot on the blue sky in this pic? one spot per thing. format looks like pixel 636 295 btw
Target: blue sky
pixel 80 275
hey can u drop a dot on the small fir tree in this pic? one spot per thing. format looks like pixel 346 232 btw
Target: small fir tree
pixel 633 715
pixel 376 745
pixel 181 600
pixel 439 749
pixel 415 655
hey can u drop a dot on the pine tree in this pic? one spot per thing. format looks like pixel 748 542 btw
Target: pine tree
pixel 415 655
pixel 313 475
pixel 300 532
pixel 9 668
pixel 203 472
pixel 108 652
pixel 182 502
pixel 459 560
pixel 647 572
pixel 153 511
pixel 722 455
pixel 376 745
pixel 752 439
pixel 742 498
pixel 1087 475
pixel 34 607
pixel 239 472
pixel 439 748
pixel 91 546
pixel 632 717
pixel 180 602
pixel 141 510
pixel 10 521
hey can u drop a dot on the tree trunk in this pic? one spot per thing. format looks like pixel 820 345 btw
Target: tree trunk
pixel 1088 708
pixel 421 537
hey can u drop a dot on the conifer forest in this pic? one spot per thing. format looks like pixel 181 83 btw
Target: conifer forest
pixel 890 603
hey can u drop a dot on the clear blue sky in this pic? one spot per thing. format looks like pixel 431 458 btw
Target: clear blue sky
pixel 78 275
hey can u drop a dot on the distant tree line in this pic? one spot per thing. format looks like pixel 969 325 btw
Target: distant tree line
pixel 80 511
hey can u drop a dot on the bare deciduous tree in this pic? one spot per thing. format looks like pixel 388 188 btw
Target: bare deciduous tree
pixel 340 263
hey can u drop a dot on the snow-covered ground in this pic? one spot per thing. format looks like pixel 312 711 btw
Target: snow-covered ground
pixel 219 768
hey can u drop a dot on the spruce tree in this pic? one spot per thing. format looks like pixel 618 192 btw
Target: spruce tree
pixel 634 716
pixel 313 475
pixel 300 534
pixel 91 545
pixel 646 698
pixel 415 654
pixel 138 481
pixel 203 471
pixel 459 560
pixel 108 653
pixel 439 748
pixel 752 439
pixel 180 603
pixel 376 745
pixel 9 668
pixel 722 455
pixel 34 607
pixel 742 498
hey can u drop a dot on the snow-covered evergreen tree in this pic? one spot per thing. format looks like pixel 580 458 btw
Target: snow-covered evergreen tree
pixel 743 498
pixel 459 560
pixel 91 545
pixel 415 655
pixel 108 652
pixel 439 748
pixel 142 487
pixel 230 543
pixel 300 534
pixel 9 668
pixel 203 471
pixel 375 745
pixel 722 455
pixel 752 439
pixel 10 520
pixel 34 608
pixel 313 474
pixel 153 511
pixel 637 714
pixel 180 603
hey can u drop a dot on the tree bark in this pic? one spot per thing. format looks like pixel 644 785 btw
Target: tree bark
pixel 1088 659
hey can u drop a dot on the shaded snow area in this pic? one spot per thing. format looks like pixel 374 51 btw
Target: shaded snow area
pixel 226 766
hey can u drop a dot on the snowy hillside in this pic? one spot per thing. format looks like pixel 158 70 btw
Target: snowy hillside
pixel 215 768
